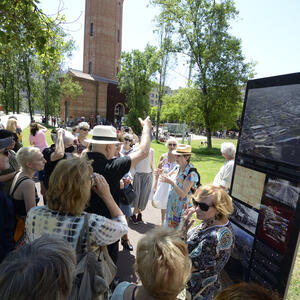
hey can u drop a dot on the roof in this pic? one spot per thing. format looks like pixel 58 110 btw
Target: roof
pixel 80 74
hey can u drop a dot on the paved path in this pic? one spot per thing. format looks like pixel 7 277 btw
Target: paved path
pixel 151 217
pixel 23 119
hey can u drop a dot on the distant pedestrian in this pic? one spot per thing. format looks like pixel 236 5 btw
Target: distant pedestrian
pixel 224 176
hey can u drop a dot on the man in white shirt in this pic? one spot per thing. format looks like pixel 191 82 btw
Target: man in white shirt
pixel 224 176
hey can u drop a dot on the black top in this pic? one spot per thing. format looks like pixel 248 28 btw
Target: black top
pixel 19 205
pixel 7 225
pixel 113 170
pixel 50 165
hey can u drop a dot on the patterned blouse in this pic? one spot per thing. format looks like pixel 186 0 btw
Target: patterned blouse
pixel 209 249
pixel 42 220
pixel 176 206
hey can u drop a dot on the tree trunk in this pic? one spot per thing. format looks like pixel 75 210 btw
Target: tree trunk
pixel 5 95
pixel 208 135
pixel 27 77
pixel 46 102
pixel 13 93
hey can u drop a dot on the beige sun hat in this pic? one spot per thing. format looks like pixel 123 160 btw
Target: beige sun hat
pixel 182 149
pixel 104 134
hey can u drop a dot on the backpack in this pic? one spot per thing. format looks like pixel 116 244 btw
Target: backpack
pixel 93 274
pixel 198 183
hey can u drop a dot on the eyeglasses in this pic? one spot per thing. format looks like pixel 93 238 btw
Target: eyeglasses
pixel 127 140
pixel 84 129
pixel 201 205
pixel 173 145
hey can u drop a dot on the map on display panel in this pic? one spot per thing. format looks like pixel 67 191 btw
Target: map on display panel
pixel 266 184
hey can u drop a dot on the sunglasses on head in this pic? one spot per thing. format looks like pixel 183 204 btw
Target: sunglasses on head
pixel 127 140
pixel 84 129
pixel 173 145
pixel 201 205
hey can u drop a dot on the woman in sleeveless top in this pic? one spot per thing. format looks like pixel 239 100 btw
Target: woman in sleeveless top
pixel 23 191
pixel 166 163
pixel 163 266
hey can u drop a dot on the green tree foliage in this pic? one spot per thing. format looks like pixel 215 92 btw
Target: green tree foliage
pixel 219 67
pixel 135 80
pixel 32 48
pixel 70 89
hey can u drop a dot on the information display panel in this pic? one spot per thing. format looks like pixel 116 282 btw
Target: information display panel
pixel 265 186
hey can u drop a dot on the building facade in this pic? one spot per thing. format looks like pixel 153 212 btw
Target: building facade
pixel 102 52
pixel 153 95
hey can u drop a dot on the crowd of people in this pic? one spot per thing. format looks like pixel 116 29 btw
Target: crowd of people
pixel 85 183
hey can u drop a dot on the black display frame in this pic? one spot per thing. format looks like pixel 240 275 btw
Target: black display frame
pixel 281 170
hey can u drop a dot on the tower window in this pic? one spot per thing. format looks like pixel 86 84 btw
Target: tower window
pixel 92 29
pixel 90 67
pixel 118 36
pixel 117 70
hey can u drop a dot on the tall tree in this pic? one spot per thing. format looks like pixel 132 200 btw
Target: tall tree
pixel 135 80
pixel 202 32
pixel 166 48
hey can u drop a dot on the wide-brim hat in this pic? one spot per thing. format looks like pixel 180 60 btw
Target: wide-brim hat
pixel 182 149
pixel 104 134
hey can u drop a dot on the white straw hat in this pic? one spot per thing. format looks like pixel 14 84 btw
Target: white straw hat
pixel 104 134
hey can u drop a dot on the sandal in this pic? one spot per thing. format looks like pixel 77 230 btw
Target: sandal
pixel 126 244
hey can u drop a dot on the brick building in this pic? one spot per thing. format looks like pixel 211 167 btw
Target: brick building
pixel 102 51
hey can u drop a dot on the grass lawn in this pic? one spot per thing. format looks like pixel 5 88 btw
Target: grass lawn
pixel 208 163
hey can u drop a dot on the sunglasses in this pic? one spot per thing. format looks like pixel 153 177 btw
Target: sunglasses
pixel 201 205
pixel 173 145
pixel 84 129
pixel 127 140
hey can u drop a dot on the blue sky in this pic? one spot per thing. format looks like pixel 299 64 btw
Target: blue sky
pixel 269 30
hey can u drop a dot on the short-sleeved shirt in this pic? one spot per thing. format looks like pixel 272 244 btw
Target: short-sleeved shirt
pixel 113 171
pixel 50 165
pixel 43 220
pixel 39 139
pixel 224 176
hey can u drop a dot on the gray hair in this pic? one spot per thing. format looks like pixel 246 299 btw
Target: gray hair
pixel 25 155
pixel 228 149
pixel 83 125
pixel 68 137
pixel 43 269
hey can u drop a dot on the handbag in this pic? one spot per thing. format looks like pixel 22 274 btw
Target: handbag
pixel 93 273
pixel 129 195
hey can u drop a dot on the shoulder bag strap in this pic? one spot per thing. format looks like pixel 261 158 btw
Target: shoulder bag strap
pixel 84 229
pixel 19 181
pixel 86 225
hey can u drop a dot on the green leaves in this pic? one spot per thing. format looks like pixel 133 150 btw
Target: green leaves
pixel 138 69
pixel 219 72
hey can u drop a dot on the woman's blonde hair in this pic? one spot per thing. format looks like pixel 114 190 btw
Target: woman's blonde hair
pixel 163 263
pixel 222 201
pixel 69 189
pixel 25 155
pixel 11 125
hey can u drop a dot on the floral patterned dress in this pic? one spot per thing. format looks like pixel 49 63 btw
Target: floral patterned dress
pixel 209 249
pixel 176 206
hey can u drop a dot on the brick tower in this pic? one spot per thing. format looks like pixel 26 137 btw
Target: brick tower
pixel 102 50
pixel 102 37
